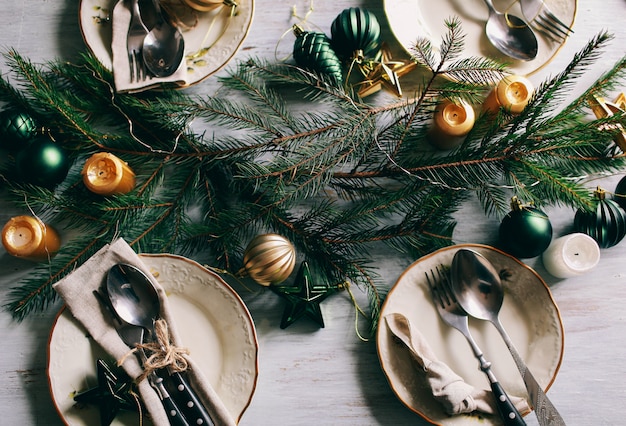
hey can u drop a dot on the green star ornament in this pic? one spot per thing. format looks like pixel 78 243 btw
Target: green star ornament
pixel 111 395
pixel 303 298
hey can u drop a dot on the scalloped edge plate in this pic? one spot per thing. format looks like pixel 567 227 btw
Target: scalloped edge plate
pixel 212 320
pixel 529 315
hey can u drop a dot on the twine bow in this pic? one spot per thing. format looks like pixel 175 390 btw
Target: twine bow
pixel 162 353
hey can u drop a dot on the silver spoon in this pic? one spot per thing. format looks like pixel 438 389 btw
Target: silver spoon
pixel 163 47
pixel 136 301
pixel 478 290
pixel 510 34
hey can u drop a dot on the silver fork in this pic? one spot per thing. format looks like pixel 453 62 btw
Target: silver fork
pixel 137 31
pixel 453 315
pixel 538 13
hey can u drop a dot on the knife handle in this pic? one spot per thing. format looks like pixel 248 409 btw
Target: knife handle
pixel 174 414
pixel 508 412
pixel 186 398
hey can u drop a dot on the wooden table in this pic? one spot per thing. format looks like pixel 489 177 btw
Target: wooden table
pixel 329 376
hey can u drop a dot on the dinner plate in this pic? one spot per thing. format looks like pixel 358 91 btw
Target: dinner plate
pixel 213 323
pixel 217 29
pixel 529 314
pixel 410 19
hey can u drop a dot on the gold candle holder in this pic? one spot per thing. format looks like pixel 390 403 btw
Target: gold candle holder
pixel 29 238
pixel 105 174
pixel 512 93
pixel 452 121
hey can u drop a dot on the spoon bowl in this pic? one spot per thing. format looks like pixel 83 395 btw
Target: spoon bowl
pixel 133 297
pixel 510 35
pixel 163 47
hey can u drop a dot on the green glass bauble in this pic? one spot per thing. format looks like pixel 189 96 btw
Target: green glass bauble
pixel 355 31
pixel 525 231
pixel 312 51
pixel 16 129
pixel 606 223
pixel 42 163
pixel 620 193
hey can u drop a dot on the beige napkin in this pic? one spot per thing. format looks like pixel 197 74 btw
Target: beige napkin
pixel 121 66
pixel 77 291
pixel 448 388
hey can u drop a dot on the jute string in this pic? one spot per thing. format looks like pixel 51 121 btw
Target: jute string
pixel 163 353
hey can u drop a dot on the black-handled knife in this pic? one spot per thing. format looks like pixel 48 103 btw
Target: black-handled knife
pixel 186 399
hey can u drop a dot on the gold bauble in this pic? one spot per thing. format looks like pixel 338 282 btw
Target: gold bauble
pixel 269 259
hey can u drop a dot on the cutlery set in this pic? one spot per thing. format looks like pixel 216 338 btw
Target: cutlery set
pixel 133 304
pixel 157 51
pixel 472 287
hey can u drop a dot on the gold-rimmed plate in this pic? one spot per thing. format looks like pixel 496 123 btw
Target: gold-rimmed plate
pixel 212 321
pixel 211 38
pixel 410 19
pixel 529 314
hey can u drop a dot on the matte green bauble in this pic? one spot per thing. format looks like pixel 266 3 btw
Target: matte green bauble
pixel 606 223
pixel 42 163
pixel 620 193
pixel 16 129
pixel 354 32
pixel 312 51
pixel 525 231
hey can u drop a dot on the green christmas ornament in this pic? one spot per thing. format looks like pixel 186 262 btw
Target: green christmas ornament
pixel 313 51
pixel 525 231
pixel 16 129
pixel 620 193
pixel 42 163
pixel 355 32
pixel 606 223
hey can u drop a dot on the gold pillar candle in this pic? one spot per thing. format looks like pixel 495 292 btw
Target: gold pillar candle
pixel 452 121
pixel 512 93
pixel 30 238
pixel 105 174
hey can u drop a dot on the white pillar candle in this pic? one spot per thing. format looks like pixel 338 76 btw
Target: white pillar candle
pixel 571 255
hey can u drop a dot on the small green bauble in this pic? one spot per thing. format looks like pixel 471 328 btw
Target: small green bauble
pixel 606 223
pixel 525 231
pixel 355 32
pixel 312 51
pixel 16 129
pixel 42 163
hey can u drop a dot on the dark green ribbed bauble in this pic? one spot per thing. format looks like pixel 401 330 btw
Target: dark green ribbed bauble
pixel 525 231
pixel 620 193
pixel 313 51
pixel 16 129
pixel 355 30
pixel 42 163
pixel 606 223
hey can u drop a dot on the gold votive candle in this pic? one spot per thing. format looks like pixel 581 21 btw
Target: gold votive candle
pixel 30 238
pixel 452 121
pixel 512 93
pixel 105 174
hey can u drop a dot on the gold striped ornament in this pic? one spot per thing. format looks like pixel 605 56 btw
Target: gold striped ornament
pixel 269 259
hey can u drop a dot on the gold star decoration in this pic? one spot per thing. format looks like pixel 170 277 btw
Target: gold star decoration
pixel 383 73
pixel 601 108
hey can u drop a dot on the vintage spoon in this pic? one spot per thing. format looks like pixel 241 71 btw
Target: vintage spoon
pixel 478 289
pixel 136 301
pixel 510 34
pixel 163 47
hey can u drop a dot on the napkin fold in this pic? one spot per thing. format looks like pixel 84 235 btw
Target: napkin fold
pixel 77 291
pixel 121 65
pixel 448 388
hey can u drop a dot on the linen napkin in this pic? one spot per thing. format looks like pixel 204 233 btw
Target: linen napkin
pixel 77 291
pixel 448 388
pixel 121 65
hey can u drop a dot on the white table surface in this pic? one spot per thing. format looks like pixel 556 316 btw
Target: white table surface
pixel 328 376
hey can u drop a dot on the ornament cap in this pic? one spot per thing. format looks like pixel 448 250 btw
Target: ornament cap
pixel 30 238
pixel 105 174
pixel 599 193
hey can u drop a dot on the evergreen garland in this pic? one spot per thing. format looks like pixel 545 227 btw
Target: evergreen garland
pixel 337 179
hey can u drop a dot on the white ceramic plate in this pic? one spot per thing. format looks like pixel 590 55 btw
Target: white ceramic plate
pixel 410 19
pixel 212 321
pixel 224 34
pixel 529 314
